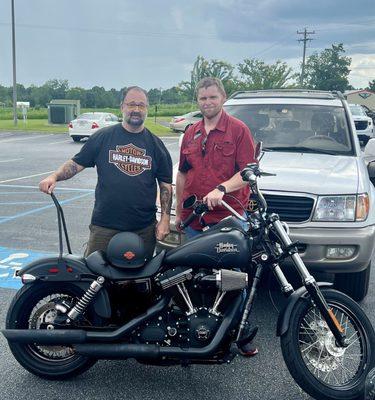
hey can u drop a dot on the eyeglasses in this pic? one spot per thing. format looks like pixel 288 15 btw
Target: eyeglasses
pixel 204 141
pixel 134 106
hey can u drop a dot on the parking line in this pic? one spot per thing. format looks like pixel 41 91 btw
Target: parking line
pixel 24 138
pixel 13 159
pixel 36 210
pixel 61 141
pixel 37 187
pixel 25 177
pixel 23 202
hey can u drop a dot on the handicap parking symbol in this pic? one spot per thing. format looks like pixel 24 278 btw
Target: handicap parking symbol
pixel 11 261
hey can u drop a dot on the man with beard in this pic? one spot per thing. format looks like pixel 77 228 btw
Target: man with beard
pixel 212 154
pixel 130 161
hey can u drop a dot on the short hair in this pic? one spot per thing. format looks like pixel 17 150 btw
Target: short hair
pixel 210 81
pixel 127 90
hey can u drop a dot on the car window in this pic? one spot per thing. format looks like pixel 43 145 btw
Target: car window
pixel 89 116
pixel 357 110
pixel 198 115
pixel 114 117
pixel 299 127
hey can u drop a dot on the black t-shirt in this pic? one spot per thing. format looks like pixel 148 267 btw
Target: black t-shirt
pixel 128 165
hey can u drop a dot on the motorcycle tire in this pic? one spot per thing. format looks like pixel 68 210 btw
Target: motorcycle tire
pixel 32 305
pixel 322 369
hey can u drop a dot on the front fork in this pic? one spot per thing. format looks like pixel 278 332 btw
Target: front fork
pixel 309 283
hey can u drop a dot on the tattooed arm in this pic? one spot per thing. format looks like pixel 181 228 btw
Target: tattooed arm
pixel 66 171
pixel 162 228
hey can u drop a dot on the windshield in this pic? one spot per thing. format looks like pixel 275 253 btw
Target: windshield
pixel 294 127
pixel 357 110
pixel 90 116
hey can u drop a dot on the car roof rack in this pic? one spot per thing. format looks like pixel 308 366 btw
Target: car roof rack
pixel 290 93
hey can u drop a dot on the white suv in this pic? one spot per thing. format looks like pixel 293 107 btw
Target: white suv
pixel 322 187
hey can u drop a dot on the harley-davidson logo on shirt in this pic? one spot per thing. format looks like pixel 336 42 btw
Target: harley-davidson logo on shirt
pixel 130 159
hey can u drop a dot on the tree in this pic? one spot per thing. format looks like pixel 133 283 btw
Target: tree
pixel 256 74
pixel 371 85
pixel 203 68
pixel 328 70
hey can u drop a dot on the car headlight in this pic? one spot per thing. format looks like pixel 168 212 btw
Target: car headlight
pixel 342 208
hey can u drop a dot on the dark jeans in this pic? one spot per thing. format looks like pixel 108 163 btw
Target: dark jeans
pixel 100 237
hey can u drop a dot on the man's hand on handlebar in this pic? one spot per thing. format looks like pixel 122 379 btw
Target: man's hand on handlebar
pixel 213 198
pixel 48 184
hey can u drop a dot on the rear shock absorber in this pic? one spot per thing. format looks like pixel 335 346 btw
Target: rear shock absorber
pixel 86 299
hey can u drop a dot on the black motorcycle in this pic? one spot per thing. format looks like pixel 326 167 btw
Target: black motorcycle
pixel 190 305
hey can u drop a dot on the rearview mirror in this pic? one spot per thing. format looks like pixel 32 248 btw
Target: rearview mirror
pixel 190 201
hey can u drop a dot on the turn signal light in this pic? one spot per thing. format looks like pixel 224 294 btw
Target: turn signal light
pixel 70 125
pixel 94 125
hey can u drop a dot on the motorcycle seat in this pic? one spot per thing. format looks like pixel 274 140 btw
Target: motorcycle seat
pixel 98 263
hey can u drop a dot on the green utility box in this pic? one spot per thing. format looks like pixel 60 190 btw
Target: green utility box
pixel 63 111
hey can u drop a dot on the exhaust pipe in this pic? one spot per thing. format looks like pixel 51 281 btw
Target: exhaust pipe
pixel 75 336
pixel 122 350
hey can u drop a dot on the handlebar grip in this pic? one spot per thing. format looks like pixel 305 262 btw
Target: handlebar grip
pixel 187 221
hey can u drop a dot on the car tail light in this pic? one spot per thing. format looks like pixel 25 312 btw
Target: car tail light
pixel 94 125
pixel 70 125
pixel 179 120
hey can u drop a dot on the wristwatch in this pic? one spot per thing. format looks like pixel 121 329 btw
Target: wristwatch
pixel 222 188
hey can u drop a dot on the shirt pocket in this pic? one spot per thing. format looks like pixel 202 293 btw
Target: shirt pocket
pixel 224 155
pixel 192 154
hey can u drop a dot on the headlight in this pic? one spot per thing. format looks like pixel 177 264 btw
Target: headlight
pixel 342 208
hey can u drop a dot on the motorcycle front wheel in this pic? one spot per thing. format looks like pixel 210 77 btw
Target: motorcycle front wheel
pixel 320 367
pixel 32 308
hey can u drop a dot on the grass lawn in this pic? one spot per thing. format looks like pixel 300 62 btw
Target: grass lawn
pixel 41 125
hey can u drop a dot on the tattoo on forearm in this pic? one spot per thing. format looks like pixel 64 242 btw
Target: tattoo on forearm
pixel 67 170
pixel 165 198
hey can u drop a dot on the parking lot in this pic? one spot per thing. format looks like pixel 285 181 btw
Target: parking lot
pixel 28 230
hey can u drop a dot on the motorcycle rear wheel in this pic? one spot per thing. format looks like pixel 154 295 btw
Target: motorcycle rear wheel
pixel 33 305
pixel 322 369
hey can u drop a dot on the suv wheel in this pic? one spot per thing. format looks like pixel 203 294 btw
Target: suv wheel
pixel 76 138
pixel 354 284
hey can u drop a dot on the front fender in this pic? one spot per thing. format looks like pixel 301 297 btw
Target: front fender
pixel 284 315
pixel 70 269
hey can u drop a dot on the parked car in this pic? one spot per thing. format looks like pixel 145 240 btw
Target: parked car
pixel 322 187
pixel 370 113
pixel 88 123
pixel 363 123
pixel 181 122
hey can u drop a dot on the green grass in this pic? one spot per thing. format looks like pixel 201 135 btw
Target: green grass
pixel 41 125
pixel 164 110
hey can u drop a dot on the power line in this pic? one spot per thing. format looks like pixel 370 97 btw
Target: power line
pixel 304 40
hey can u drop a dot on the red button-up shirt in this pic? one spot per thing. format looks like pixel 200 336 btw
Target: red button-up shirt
pixel 209 160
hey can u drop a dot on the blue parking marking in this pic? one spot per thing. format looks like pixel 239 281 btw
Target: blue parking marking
pixel 36 210
pixel 12 260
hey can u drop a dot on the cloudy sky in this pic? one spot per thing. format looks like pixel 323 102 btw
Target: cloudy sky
pixel 154 43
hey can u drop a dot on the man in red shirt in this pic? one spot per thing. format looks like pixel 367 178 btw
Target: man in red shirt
pixel 212 155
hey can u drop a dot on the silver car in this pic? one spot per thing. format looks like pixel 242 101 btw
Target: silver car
pixel 181 122
pixel 363 123
pixel 322 187
pixel 88 123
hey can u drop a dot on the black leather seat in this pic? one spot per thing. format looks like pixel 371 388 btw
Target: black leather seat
pixel 98 264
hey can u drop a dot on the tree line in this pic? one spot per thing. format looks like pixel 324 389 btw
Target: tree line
pixel 327 70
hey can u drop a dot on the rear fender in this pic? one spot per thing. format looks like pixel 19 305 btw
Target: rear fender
pixel 70 269
pixel 285 313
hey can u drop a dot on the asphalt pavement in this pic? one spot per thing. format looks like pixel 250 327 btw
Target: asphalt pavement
pixel 28 227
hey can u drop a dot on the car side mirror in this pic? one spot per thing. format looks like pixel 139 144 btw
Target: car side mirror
pixel 258 150
pixel 120 120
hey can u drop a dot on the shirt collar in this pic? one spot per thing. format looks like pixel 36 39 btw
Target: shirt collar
pixel 221 125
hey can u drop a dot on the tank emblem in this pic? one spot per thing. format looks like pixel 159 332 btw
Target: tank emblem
pixel 226 248
pixel 252 205
pixel 129 255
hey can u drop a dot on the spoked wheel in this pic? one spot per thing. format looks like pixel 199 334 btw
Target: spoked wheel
pixel 34 308
pixel 318 365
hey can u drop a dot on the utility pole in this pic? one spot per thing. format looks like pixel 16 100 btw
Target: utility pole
pixel 304 40
pixel 14 68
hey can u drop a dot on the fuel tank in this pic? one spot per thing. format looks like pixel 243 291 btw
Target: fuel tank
pixel 224 247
